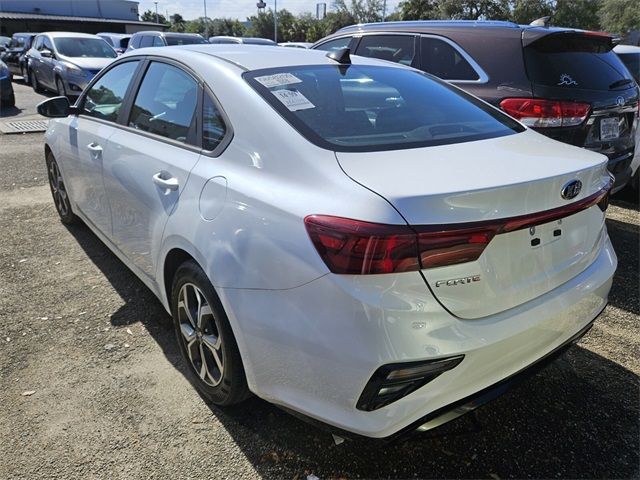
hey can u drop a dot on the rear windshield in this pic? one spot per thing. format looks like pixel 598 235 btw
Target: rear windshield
pixel 632 62
pixel 575 61
pixel 183 40
pixel 372 108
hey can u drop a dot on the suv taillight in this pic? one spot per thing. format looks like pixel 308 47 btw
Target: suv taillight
pixel 539 113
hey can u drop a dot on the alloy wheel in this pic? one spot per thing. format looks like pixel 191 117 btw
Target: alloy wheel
pixel 60 196
pixel 200 334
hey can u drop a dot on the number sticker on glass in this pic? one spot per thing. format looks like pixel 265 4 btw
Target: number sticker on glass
pixel 278 80
pixel 609 128
pixel 293 100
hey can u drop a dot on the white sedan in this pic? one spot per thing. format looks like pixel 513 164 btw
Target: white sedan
pixel 351 239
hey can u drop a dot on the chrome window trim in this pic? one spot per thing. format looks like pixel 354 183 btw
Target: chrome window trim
pixel 482 75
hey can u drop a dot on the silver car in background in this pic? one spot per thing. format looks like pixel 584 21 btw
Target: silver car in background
pixel 65 62
pixel 119 41
pixel 630 56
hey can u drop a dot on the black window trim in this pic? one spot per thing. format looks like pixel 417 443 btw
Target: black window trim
pixel 482 75
pixel 132 91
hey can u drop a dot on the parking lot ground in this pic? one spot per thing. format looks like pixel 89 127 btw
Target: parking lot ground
pixel 92 385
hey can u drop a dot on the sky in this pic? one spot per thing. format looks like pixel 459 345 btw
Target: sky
pixel 240 9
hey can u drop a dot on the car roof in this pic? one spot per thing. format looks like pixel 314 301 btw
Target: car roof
pixel 24 34
pixel 156 32
pixel 428 25
pixel 626 49
pixel 115 35
pixel 68 35
pixel 254 57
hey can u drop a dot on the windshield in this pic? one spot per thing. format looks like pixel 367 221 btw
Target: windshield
pixel 372 108
pixel 84 47
pixel 575 61
pixel 632 62
pixel 173 40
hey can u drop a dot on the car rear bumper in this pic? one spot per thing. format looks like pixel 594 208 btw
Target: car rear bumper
pixel 620 167
pixel 312 349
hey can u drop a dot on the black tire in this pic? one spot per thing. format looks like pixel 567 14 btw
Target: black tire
pixel 60 87
pixel 231 386
pixel 59 192
pixel 33 80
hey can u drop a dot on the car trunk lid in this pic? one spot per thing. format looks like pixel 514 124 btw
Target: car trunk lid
pixel 482 184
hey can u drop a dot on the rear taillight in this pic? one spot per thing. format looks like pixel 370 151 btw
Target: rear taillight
pixel 355 247
pixel 534 112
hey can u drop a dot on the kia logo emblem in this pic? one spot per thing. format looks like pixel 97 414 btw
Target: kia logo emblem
pixel 620 101
pixel 571 189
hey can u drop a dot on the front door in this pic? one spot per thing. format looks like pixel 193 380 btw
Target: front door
pixel 89 143
pixel 151 161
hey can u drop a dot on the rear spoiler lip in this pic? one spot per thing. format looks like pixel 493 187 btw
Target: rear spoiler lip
pixel 533 34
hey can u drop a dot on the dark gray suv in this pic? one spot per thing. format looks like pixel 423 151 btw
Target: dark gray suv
pixel 564 83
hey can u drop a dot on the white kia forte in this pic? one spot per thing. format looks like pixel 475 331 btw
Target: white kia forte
pixel 350 239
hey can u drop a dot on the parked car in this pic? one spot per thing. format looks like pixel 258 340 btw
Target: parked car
pixel 7 97
pixel 565 83
pixel 296 44
pixel 371 246
pixel 14 56
pixel 242 40
pixel 65 62
pixel 163 39
pixel 4 43
pixel 119 41
pixel 630 56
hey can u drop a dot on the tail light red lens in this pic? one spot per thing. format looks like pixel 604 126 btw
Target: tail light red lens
pixel 535 112
pixel 355 247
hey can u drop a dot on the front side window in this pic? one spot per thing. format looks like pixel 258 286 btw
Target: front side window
pixel 165 103
pixel 84 47
pixel 360 108
pixel 46 44
pixel 38 43
pixel 213 127
pixel 104 99
pixel 442 60
pixel 394 48
pixel 336 44
pixel 146 41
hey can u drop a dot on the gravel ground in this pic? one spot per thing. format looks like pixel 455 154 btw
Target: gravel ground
pixel 110 399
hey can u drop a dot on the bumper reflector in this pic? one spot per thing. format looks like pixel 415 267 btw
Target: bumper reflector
pixel 394 381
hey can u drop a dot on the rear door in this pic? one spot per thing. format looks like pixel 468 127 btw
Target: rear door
pixel 153 155
pixel 400 48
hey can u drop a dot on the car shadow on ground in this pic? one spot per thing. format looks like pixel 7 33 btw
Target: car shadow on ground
pixel 578 418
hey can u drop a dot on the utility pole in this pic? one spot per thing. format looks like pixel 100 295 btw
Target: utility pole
pixel 157 20
pixel 206 21
pixel 384 10
pixel 275 21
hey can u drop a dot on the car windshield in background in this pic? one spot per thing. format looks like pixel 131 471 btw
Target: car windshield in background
pixel 632 62
pixel 17 42
pixel 373 108
pixel 173 40
pixel 84 47
pixel 575 61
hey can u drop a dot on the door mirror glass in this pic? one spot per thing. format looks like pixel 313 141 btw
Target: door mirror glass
pixel 56 107
pixel 47 53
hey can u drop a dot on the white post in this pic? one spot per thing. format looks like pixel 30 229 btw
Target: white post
pixel 275 21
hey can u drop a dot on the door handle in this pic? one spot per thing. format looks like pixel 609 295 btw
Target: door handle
pixel 94 148
pixel 170 183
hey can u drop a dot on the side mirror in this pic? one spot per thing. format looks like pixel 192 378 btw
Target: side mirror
pixel 56 107
pixel 46 53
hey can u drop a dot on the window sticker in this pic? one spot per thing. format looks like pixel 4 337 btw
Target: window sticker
pixel 278 80
pixel 293 100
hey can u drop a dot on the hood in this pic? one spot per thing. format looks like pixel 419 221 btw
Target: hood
pixel 88 63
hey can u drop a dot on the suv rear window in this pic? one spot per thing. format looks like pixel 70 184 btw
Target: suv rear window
pixel 360 108
pixel 183 40
pixel 574 61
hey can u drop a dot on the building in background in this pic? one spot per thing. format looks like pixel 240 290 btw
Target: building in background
pixel 88 16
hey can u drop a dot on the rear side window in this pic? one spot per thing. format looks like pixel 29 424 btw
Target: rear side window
pixel 336 44
pixel 165 103
pixel 362 108
pixel 394 48
pixel 442 60
pixel 213 127
pixel 104 98
pixel 574 61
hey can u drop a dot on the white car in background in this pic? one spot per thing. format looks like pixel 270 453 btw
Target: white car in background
pixel 351 239
pixel 630 56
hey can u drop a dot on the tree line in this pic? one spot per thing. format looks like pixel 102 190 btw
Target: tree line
pixel 615 16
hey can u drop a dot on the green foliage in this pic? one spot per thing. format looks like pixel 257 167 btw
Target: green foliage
pixel 474 9
pixel 526 11
pixel 362 11
pixel 577 14
pixel 418 10
pixel 150 16
pixel 620 16
pixel 177 23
